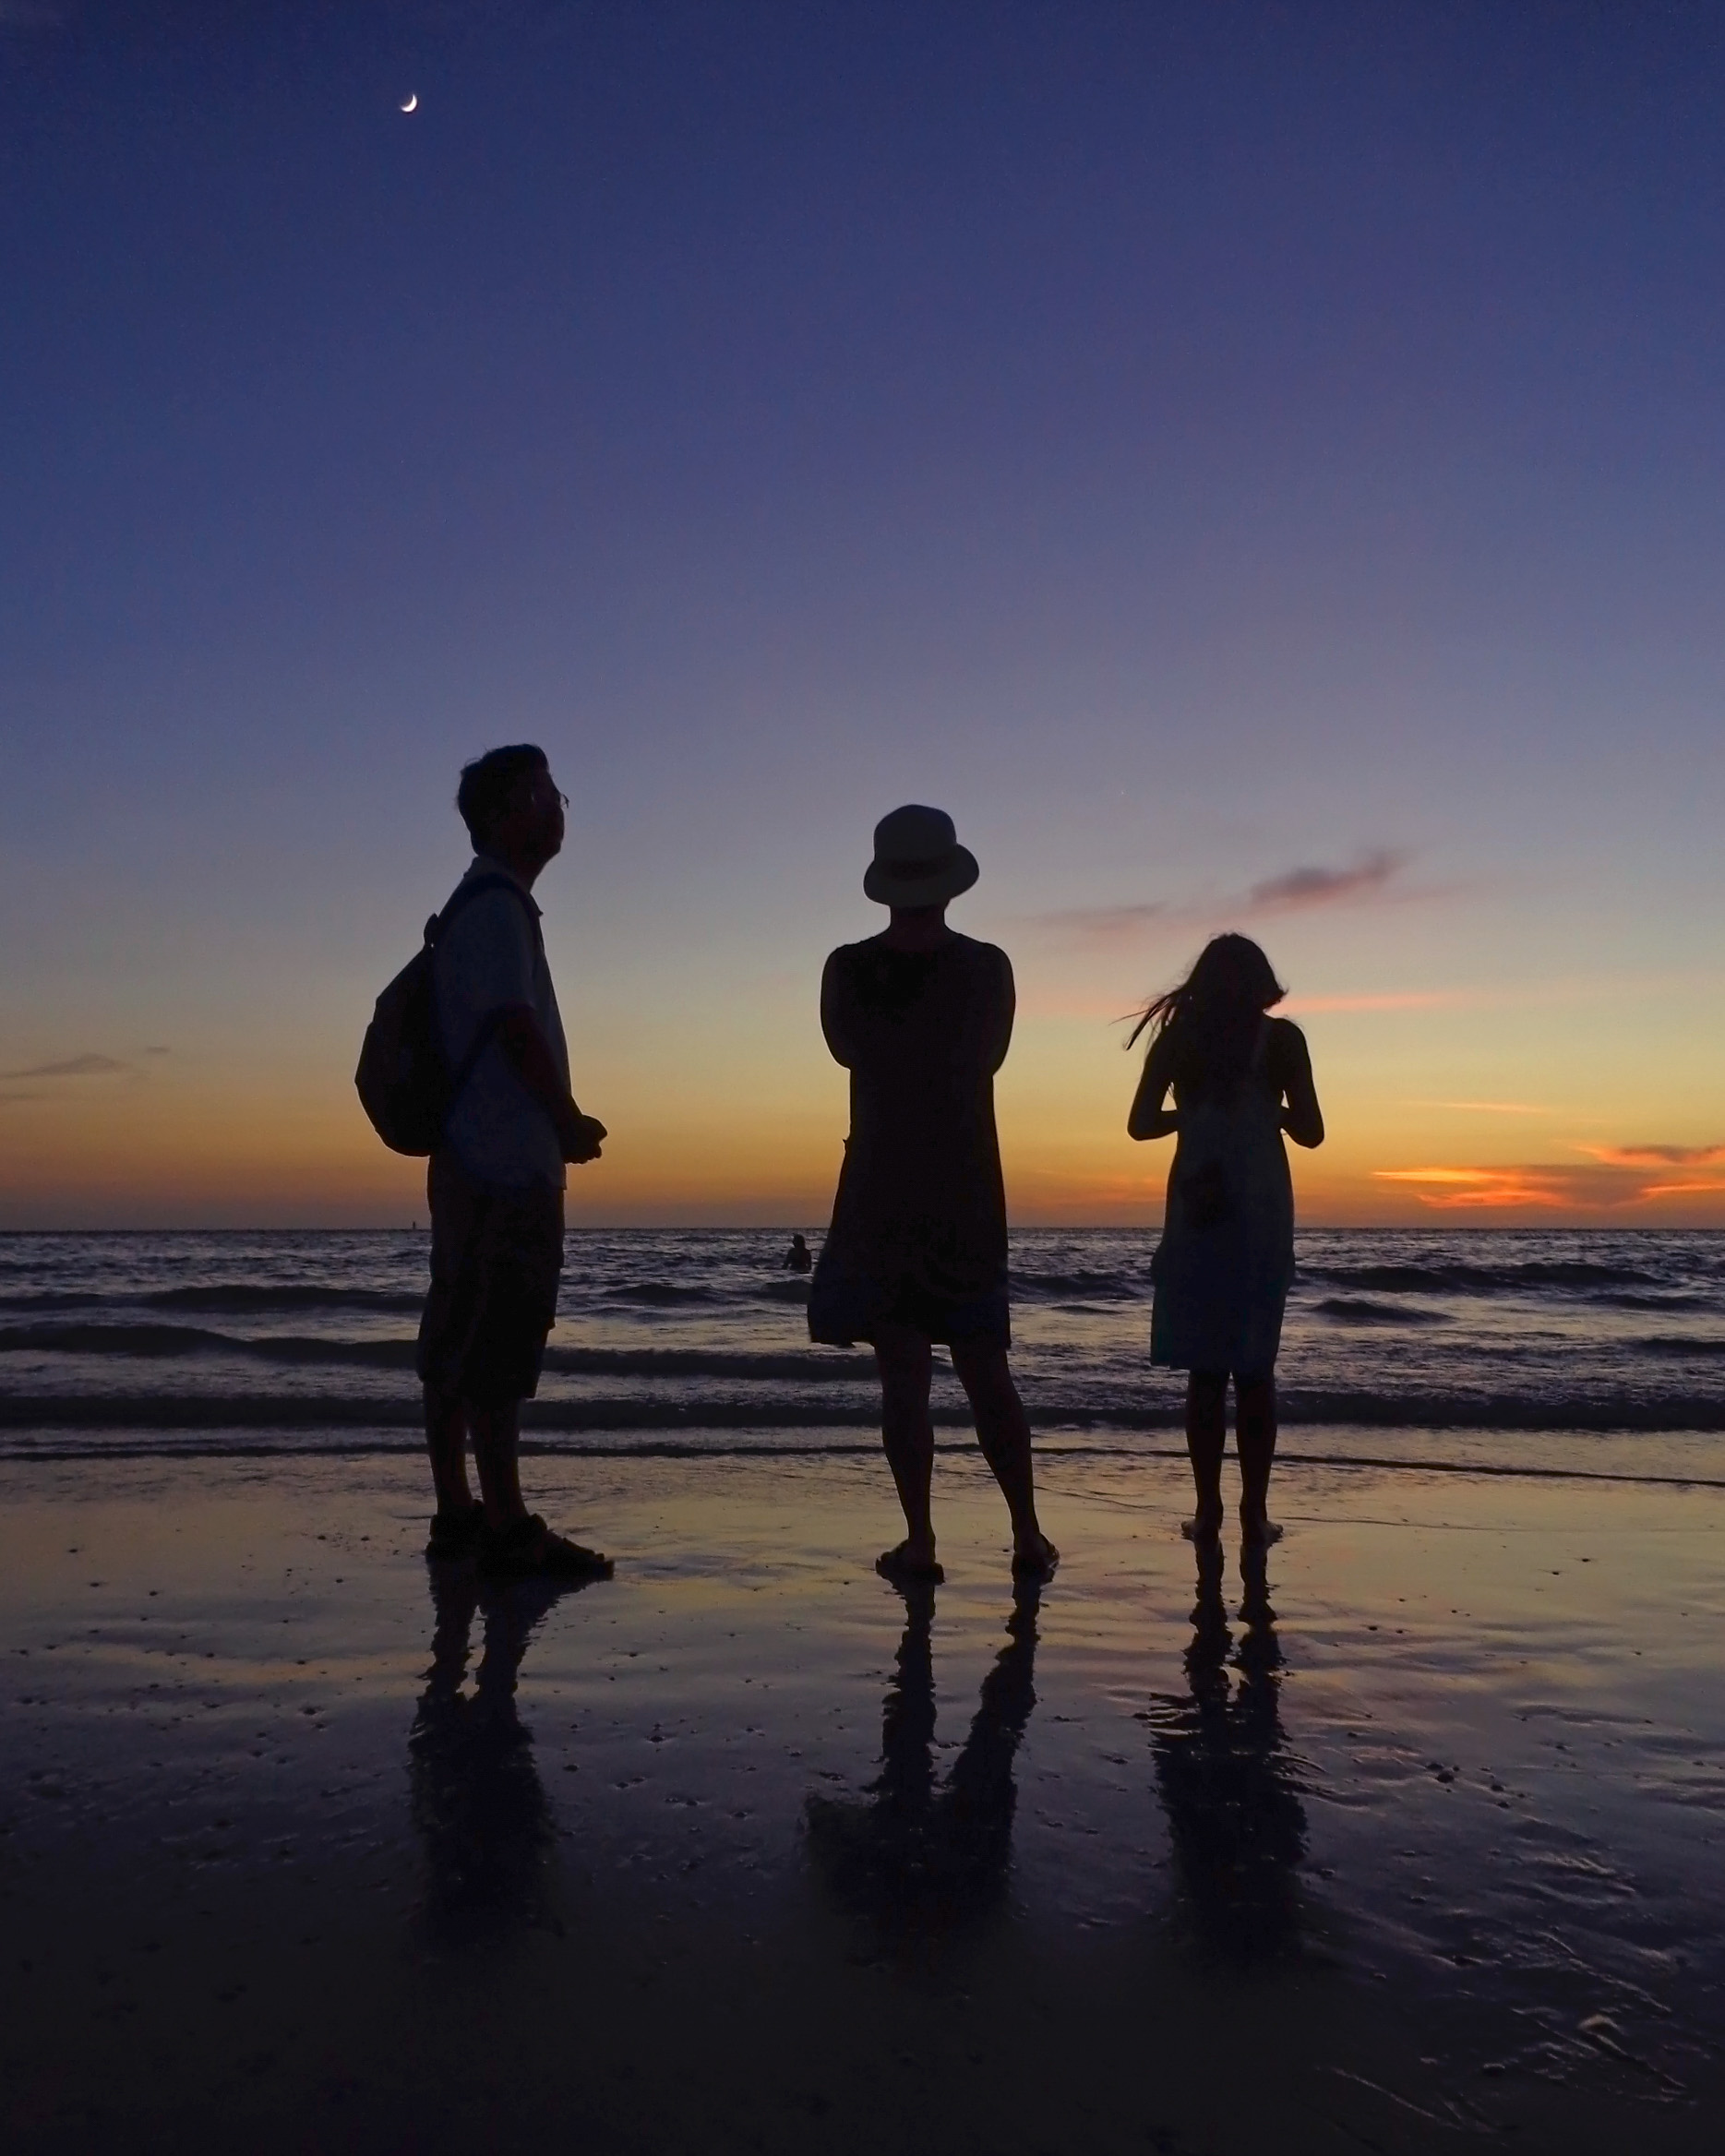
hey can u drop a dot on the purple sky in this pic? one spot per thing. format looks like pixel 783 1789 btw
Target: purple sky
pixel 1250 463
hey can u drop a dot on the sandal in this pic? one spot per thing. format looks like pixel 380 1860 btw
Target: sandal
pixel 456 1535
pixel 527 1548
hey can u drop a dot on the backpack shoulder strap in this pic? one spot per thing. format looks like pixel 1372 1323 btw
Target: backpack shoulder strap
pixel 471 888
pixel 474 887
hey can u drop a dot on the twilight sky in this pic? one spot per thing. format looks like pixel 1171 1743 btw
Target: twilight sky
pixel 1256 466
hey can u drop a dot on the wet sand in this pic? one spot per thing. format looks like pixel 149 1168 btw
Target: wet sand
pixel 1416 1840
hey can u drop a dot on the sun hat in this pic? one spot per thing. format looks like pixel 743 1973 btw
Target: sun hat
pixel 917 859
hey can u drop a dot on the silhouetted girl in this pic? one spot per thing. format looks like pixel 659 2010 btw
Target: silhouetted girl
pixel 1222 1271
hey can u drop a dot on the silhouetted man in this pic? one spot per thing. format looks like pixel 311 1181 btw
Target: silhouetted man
pixel 495 1183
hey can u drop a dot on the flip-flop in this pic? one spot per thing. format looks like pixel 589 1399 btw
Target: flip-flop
pixel 898 1565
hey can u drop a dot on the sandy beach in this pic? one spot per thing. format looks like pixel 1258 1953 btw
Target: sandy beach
pixel 1419 1839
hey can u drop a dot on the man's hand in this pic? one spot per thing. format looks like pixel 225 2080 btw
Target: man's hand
pixel 580 1137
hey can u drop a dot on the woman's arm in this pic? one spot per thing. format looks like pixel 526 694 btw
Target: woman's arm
pixel 1302 1119
pixel 835 1011
pixel 1000 1018
pixel 1147 1117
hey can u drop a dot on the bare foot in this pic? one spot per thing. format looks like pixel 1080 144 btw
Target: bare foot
pixel 1204 1526
pixel 1258 1530
pixel 1034 1559
pixel 910 1561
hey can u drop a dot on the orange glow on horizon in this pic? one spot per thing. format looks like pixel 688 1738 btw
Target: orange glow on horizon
pixel 755 1138
pixel 1611 1188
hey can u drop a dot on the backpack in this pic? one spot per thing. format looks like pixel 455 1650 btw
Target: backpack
pixel 405 1084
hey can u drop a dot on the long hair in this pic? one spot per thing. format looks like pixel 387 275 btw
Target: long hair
pixel 1211 1019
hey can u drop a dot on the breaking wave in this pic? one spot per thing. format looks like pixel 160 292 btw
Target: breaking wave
pixel 1573 1274
pixel 813 1411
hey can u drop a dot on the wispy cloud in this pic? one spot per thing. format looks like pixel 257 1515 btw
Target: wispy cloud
pixel 1393 999
pixel 1465 1188
pixel 1298 888
pixel 1102 925
pixel 1655 1155
pixel 72 1066
pixel 1541 1186
pixel 1489 1107
pixel 1293 891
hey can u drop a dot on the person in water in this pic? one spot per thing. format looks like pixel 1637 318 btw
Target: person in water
pixel 796 1259
pixel 1240 1080
pixel 921 1017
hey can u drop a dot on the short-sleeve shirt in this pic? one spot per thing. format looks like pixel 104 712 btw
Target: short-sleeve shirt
pixel 492 955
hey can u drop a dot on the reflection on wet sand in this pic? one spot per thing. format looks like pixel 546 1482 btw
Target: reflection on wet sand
pixel 1227 1780
pixel 911 1853
pixel 477 1801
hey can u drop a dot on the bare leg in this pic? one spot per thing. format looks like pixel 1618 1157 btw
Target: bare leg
pixel 1206 1436
pixel 1003 1431
pixel 446 1440
pixel 497 1454
pixel 1254 1419
pixel 902 1359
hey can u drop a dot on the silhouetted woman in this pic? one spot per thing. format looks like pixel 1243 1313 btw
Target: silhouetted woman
pixel 921 1017
pixel 1222 1271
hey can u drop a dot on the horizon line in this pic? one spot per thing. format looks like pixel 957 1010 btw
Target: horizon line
pixel 1568 1226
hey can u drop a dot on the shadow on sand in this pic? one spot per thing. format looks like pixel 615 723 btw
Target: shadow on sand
pixel 910 1854
pixel 478 1804
pixel 1227 1780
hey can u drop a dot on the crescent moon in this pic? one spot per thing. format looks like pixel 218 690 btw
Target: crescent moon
pixel 412 103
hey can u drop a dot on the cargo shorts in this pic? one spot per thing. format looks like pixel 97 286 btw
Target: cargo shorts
pixel 497 1259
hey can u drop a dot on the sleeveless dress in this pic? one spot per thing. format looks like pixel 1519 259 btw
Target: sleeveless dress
pixel 1225 1261
pixel 918 1232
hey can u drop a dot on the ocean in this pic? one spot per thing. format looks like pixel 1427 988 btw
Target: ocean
pixel 1436 1796
pixel 1538 1350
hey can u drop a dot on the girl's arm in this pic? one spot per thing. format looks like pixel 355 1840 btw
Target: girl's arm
pixel 1147 1117
pixel 1302 1119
